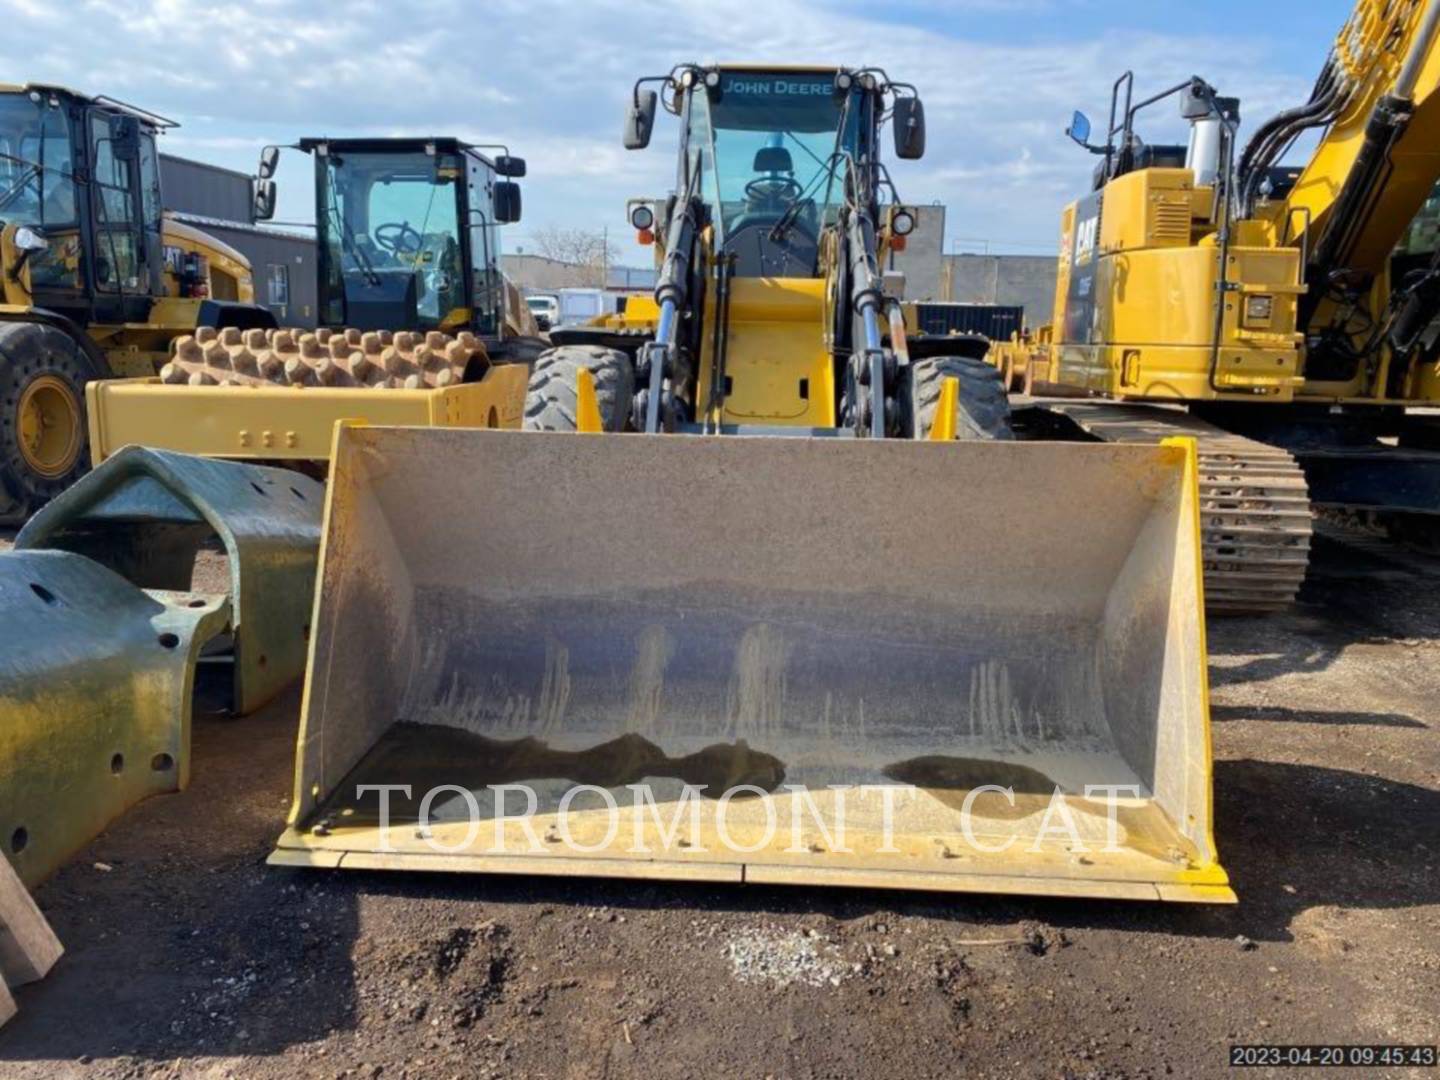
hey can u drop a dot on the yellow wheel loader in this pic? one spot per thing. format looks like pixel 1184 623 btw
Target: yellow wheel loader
pixel 1287 317
pixel 95 280
pixel 413 301
pixel 764 636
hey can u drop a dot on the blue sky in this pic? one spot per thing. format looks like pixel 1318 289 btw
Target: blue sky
pixel 999 79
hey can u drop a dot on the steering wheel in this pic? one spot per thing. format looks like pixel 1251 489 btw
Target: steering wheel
pixel 773 188
pixel 398 238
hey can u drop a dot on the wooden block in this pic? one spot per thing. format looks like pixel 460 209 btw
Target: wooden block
pixel 28 947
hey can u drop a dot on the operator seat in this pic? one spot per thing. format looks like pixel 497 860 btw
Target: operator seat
pixel 757 253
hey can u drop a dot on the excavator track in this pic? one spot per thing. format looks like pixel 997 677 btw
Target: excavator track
pixel 404 360
pixel 1255 516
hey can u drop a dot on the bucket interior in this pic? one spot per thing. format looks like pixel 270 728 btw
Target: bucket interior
pixel 825 629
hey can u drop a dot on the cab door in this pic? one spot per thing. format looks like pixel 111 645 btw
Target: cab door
pixel 487 285
pixel 57 273
pixel 119 274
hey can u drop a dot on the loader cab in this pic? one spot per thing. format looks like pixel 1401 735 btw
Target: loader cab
pixel 81 176
pixel 771 148
pixel 409 233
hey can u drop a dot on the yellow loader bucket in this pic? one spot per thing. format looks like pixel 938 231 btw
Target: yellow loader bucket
pixel 760 659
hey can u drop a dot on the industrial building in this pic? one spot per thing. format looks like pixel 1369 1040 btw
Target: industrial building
pixel 540 274
pixel 1026 281
pixel 1023 281
pixel 219 201
pixel 922 262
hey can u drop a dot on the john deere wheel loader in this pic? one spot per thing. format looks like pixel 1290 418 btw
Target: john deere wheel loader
pixel 1288 317
pixel 95 281
pixel 764 637
pixel 413 300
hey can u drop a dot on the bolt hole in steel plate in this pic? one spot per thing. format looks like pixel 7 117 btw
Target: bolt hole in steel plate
pixel 168 641
pixel 117 764
pixel 19 840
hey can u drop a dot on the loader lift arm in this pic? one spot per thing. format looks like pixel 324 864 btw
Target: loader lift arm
pixel 660 359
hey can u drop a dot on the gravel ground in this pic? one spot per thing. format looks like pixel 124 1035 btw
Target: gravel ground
pixel 188 957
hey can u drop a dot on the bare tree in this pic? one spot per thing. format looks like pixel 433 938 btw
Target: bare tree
pixel 591 253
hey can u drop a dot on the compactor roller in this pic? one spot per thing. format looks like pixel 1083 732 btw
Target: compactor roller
pixel 379 358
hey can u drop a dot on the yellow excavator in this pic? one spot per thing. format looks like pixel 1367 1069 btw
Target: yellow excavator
pixel 730 609
pixel 96 281
pixel 1285 317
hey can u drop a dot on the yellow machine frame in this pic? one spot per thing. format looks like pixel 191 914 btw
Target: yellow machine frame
pixel 1162 297
pixel 285 423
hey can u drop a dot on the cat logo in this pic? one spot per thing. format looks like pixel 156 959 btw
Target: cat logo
pixel 1086 233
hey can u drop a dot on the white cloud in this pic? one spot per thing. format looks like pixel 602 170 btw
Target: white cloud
pixel 550 77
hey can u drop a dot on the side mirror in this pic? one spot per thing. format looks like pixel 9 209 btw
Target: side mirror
pixel 28 240
pixel 513 167
pixel 264 199
pixel 125 138
pixel 640 120
pixel 269 159
pixel 908 120
pixel 1079 129
pixel 507 202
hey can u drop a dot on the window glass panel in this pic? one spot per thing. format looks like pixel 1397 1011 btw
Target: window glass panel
pixel 393 217
pixel 279 284
pixel 117 256
pixel 58 266
pixel 112 178
pixel 37 185
pixel 487 282
pixel 150 183
pixel 769 140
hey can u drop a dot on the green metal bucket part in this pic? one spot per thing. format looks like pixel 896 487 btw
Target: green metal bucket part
pixel 96 681
pixel 145 514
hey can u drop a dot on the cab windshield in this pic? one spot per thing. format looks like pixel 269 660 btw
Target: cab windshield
pixel 767 144
pixel 391 229
pixel 37 184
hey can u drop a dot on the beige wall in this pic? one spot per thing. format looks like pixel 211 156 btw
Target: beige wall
pixel 1024 280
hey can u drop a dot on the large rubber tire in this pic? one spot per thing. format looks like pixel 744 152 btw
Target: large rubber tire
pixel 42 372
pixel 521 350
pixel 982 410
pixel 550 400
